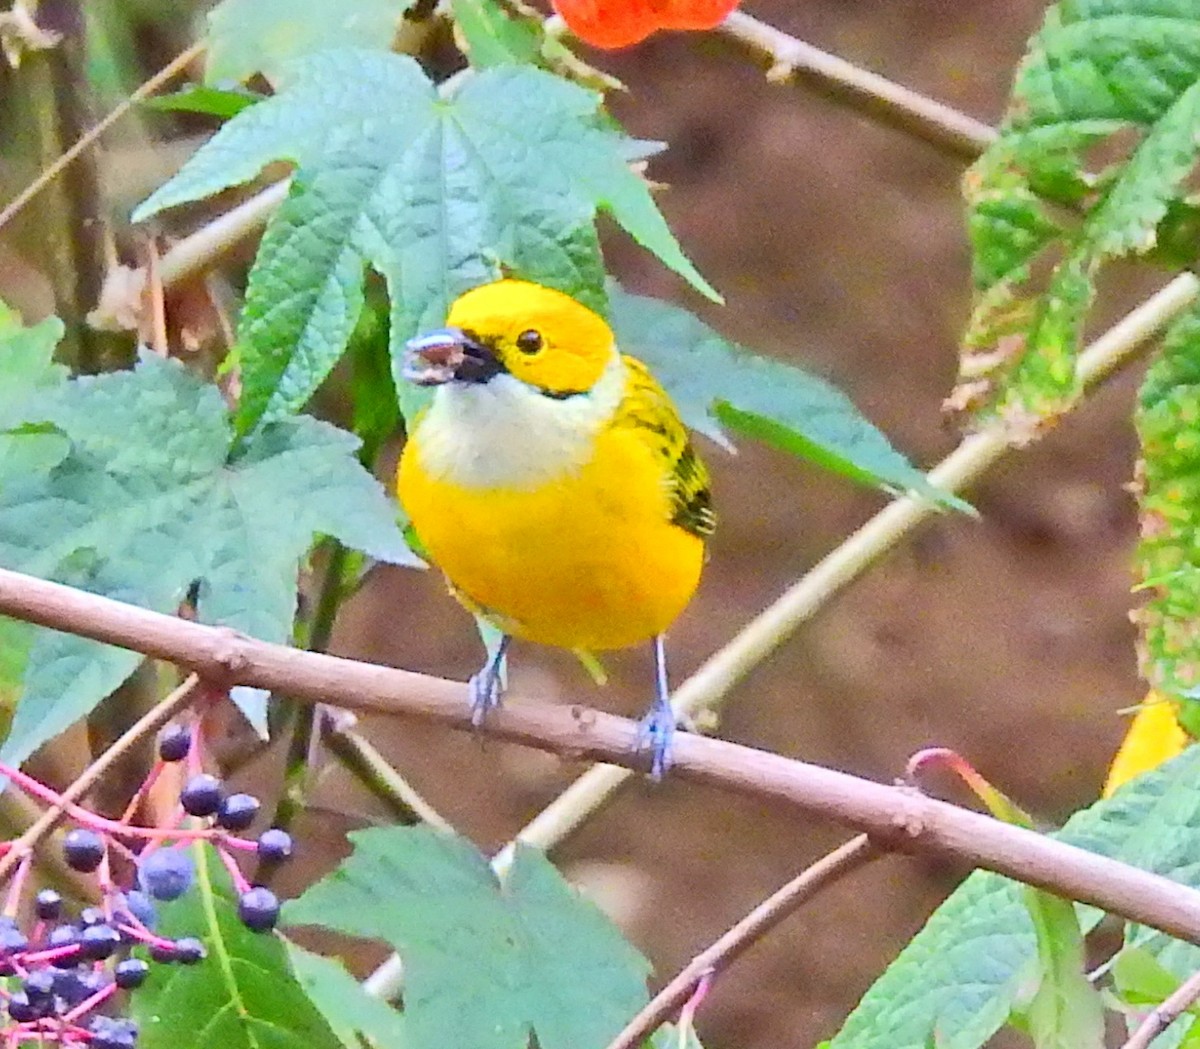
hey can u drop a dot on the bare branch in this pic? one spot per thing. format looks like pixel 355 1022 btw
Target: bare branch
pixel 1162 1016
pixel 895 817
pixel 844 860
pixel 794 61
pixel 372 769
pixel 52 171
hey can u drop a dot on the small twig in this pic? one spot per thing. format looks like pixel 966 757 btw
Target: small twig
pixel 1166 1013
pixel 195 253
pixel 149 723
pixel 50 173
pixel 372 769
pixel 793 61
pixel 844 860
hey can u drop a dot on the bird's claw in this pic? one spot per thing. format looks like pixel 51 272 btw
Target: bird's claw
pixel 486 693
pixel 656 731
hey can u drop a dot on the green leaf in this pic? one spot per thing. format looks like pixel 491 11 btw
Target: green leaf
pixel 26 364
pixel 713 381
pixel 151 499
pixel 1140 979
pixel 494 37
pixel 15 640
pixel 1168 554
pixel 484 960
pixel 1096 69
pixel 242 996
pixel 353 1014
pixel 435 194
pixel 961 976
pixel 262 36
pixel 1066 1011
pixel 210 101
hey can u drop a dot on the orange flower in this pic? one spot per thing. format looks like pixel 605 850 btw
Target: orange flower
pixel 619 23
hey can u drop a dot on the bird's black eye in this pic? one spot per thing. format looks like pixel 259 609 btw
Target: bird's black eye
pixel 529 341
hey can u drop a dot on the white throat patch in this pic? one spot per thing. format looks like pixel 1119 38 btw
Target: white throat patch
pixel 505 434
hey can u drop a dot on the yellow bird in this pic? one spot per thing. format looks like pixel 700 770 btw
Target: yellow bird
pixel 553 483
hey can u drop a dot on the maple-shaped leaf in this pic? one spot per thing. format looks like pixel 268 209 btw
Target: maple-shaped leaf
pixel 260 36
pixel 242 996
pixel 436 193
pixel 487 962
pixel 152 500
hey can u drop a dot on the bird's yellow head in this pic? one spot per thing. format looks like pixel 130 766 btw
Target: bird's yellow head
pixel 537 335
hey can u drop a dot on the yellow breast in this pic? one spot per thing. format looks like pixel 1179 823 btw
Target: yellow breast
pixel 559 540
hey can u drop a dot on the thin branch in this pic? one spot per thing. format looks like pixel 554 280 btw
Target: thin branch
pixel 372 769
pixel 1165 1014
pixel 51 172
pixel 791 60
pixel 896 817
pixel 714 680
pixel 197 252
pixel 844 860
pixel 149 723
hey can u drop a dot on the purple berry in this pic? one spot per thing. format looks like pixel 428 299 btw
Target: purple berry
pixel 112 1032
pixel 39 986
pixel 48 905
pixel 258 909
pixel 22 1010
pixel 65 936
pixel 91 916
pixel 12 940
pixel 174 743
pixel 136 904
pixel 83 850
pixel 201 795
pixel 189 951
pixel 99 942
pixel 274 846
pixel 165 951
pixel 237 811
pixel 166 874
pixel 131 973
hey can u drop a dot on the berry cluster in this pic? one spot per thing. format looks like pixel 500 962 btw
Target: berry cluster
pixel 60 977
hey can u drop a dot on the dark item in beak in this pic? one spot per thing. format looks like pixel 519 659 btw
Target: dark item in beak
pixel 448 355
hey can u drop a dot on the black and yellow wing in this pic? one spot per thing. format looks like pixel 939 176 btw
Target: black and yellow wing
pixel 647 408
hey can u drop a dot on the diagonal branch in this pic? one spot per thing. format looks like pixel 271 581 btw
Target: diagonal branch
pixel 896 817
pixel 844 860
pixel 1163 1015
pixel 794 61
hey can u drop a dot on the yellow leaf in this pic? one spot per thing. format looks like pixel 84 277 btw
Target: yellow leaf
pixel 1154 737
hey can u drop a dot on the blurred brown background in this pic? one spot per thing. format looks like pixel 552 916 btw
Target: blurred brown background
pixel 840 246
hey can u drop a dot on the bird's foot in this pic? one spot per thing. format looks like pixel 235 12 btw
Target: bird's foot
pixel 656 731
pixel 486 694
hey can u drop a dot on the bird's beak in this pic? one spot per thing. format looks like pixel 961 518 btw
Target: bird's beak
pixel 448 355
